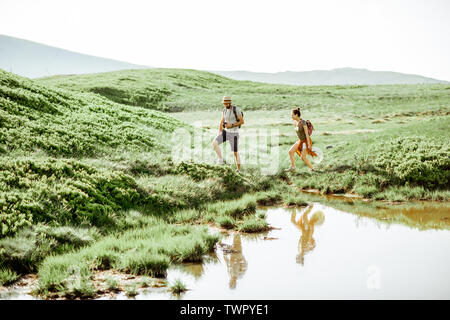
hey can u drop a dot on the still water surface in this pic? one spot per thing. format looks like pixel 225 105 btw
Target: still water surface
pixel 318 252
pixel 322 253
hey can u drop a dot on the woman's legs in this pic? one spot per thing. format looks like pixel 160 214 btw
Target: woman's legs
pixel 292 151
pixel 305 160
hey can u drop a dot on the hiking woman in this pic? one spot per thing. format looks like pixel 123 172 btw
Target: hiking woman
pixel 304 144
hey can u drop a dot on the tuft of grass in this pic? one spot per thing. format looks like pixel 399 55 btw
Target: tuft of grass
pixel 261 215
pixel 225 222
pixel 253 224
pixel 8 277
pixel 112 284
pixel 146 263
pixel 235 209
pixel 366 191
pixel 65 275
pixel 184 216
pixel 145 282
pixel 131 290
pixel 177 287
pixel 268 198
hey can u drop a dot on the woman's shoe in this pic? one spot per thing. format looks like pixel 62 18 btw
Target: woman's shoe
pixel 291 169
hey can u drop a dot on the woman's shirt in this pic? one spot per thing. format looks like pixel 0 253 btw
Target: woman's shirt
pixel 300 130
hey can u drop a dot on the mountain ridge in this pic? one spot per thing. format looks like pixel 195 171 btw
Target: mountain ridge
pixel 34 60
pixel 336 76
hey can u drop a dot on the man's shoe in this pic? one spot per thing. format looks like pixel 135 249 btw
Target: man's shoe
pixel 291 169
pixel 220 161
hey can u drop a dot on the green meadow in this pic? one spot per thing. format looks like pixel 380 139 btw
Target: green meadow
pixel 88 179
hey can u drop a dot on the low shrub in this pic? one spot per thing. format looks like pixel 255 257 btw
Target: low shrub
pixel 417 160
pixel 61 192
pixel 24 251
pixel 7 277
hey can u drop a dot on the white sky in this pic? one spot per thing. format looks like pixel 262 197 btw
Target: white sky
pixel 409 36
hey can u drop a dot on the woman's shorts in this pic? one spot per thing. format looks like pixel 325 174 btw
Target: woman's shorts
pixel 232 137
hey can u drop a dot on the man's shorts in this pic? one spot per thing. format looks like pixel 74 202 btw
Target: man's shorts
pixel 232 137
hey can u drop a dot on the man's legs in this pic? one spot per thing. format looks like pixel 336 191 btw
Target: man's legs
pixel 238 160
pixel 218 140
pixel 234 141
pixel 217 149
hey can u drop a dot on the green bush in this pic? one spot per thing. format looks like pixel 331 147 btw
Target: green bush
pixel 232 182
pixel 24 251
pixel 7 277
pixel 417 160
pixel 61 192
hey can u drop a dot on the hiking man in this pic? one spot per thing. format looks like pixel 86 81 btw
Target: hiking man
pixel 232 119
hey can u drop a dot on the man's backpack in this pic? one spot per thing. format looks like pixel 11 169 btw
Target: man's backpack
pixel 235 114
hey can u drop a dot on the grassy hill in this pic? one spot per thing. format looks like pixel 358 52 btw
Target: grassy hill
pixel 32 59
pixel 87 174
pixel 46 137
pixel 190 90
pixel 66 124
pixel 356 120
pixel 76 167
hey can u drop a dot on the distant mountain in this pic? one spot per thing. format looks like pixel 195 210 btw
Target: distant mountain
pixel 33 60
pixel 339 76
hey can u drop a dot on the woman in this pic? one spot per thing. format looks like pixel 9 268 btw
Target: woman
pixel 306 225
pixel 304 144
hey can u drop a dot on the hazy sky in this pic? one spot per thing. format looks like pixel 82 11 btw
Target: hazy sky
pixel 410 36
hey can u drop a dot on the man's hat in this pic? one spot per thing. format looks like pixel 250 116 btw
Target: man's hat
pixel 226 98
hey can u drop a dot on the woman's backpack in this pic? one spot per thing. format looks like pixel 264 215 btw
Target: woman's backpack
pixel 310 127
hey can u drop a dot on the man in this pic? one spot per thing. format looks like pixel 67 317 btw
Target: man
pixel 231 120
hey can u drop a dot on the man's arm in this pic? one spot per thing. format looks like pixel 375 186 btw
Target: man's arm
pixel 221 123
pixel 241 120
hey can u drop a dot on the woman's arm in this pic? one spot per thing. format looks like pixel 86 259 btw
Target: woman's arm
pixel 308 138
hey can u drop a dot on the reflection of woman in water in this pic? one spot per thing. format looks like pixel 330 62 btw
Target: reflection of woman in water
pixel 306 225
pixel 236 263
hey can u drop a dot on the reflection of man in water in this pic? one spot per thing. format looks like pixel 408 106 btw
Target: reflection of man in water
pixel 236 263
pixel 306 225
